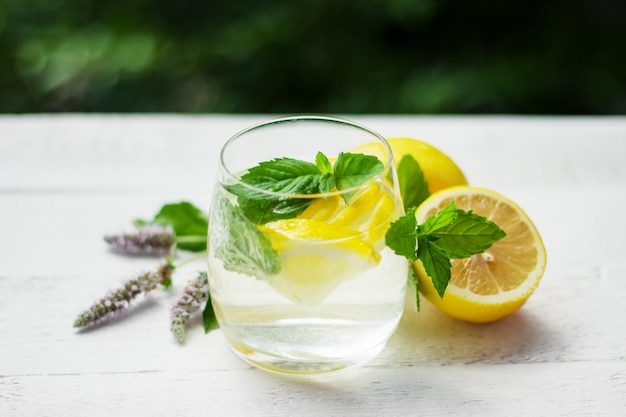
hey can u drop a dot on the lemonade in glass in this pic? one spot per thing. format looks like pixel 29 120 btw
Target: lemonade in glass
pixel 300 277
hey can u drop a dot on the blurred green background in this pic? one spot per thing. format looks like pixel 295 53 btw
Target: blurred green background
pixel 368 56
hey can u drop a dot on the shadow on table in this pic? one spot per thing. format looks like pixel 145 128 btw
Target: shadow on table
pixel 432 338
pixel 411 371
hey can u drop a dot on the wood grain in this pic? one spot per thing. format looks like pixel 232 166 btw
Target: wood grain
pixel 65 181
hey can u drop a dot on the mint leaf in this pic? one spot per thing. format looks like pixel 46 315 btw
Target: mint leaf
pixel 264 210
pixel 280 175
pixel 468 235
pixel 351 170
pixel 323 163
pixel 327 183
pixel 284 175
pixel 327 180
pixel 413 185
pixel 413 286
pixel 186 220
pixel 436 263
pixel 445 217
pixel 209 319
pixel 401 236
pixel 238 243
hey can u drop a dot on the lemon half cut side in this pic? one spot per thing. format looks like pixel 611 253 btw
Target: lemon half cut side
pixel 491 285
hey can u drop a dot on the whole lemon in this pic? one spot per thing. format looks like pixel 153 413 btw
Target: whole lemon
pixel 440 171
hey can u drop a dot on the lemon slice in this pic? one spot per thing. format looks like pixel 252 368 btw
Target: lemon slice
pixel 316 257
pixel 370 212
pixel 440 171
pixel 493 284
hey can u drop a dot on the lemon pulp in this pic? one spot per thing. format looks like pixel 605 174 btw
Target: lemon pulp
pixel 493 284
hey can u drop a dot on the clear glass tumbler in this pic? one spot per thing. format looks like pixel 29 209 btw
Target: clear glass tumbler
pixel 300 278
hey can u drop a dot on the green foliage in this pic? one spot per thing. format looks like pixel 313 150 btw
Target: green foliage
pixel 289 176
pixel 413 184
pixel 351 170
pixel 238 243
pixel 209 319
pixel 186 220
pixel 378 56
pixel 449 234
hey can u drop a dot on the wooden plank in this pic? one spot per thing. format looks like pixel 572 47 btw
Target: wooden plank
pixel 67 180
pixel 563 389
pixel 146 152
pixel 558 324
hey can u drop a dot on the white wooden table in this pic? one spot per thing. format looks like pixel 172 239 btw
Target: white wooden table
pixel 67 180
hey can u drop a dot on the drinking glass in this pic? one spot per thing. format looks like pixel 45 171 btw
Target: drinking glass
pixel 312 288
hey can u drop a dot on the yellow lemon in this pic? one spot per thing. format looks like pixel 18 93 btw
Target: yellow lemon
pixel 369 212
pixel 440 171
pixel 496 283
pixel 316 257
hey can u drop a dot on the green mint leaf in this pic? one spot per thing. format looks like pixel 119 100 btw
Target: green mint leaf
pixel 401 236
pixel 209 319
pixel 413 185
pixel 413 286
pixel 323 163
pixel 280 175
pixel 303 184
pixel 351 170
pixel 238 243
pixel 284 175
pixel 436 264
pixel 469 235
pixel 262 211
pixel 445 217
pixel 327 183
pixel 186 220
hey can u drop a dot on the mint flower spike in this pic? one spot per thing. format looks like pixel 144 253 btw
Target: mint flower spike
pixel 116 301
pixel 151 240
pixel 193 297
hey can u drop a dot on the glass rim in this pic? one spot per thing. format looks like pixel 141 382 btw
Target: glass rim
pixel 305 117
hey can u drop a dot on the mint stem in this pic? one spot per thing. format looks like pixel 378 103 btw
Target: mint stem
pixel 191 239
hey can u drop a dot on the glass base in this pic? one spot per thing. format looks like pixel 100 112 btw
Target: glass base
pixel 305 366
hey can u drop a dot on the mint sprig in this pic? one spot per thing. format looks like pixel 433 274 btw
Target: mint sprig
pixel 290 176
pixel 450 234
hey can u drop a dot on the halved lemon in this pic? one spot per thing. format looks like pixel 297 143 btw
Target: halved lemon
pixel 491 285
pixel 316 257
pixel 440 171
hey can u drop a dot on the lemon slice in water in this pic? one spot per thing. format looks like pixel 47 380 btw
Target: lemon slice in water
pixel 370 212
pixel 316 257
